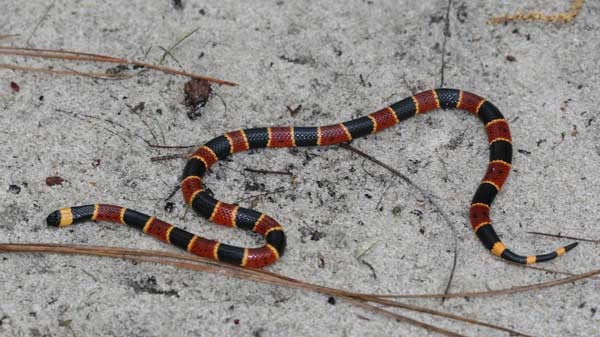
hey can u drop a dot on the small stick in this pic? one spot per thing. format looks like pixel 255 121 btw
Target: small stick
pixel 179 40
pixel 206 265
pixel 78 56
pixel 283 173
pixel 276 191
pixel 173 192
pixel 168 52
pixel 169 157
pixel 172 146
pixel 6 36
pixel 565 17
pixel 39 23
pixel 103 76
pixel 560 236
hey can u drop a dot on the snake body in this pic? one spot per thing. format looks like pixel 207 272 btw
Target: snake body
pixel 195 195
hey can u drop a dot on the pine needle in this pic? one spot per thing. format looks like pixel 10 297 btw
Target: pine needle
pixel 192 262
pixel 80 56
pixel 564 17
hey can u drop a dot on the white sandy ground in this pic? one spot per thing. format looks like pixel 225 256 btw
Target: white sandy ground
pixel 312 53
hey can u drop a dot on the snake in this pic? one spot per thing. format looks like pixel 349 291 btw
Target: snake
pixel 202 201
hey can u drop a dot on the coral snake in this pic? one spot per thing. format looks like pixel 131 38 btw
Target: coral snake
pixel 230 215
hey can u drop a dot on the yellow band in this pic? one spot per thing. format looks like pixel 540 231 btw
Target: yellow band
pixel 66 217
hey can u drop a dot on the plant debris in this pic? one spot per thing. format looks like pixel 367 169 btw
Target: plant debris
pixel 14 87
pixel 54 180
pixel 197 94
pixel 564 17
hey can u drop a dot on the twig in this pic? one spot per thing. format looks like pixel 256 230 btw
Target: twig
pixel 6 36
pixel 177 42
pixel 276 191
pixel 383 194
pixel 172 146
pixel 283 173
pixel 175 189
pixel 168 52
pixel 404 319
pixel 38 24
pixel 79 56
pixel 534 267
pixel 448 315
pixel 169 157
pixel 222 102
pixel 206 265
pixel 104 76
pixel 564 17
pixel 507 291
pixel 368 249
pixel 361 260
pixel 560 236
pixel 446 36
